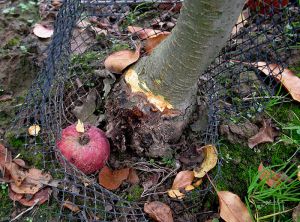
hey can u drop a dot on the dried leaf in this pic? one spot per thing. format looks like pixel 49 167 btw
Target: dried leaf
pixel 296 214
pixel 171 6
pixel 79 126
pixel 20 162
pixel 158 211
pixel 183 179
pixel 152 42
pixel 189 188
pixel 175 194
pixel 34 130
pixel 133 178
pixel 266 134
pixel 14 196
pixel 209 162
pixel 118 61
pixel 5 97
pixel 68 204
pixel 232 209
pixel 288 79
pixel 241 22
pixel 85 112
pixel 16 172
pixel 143 33
pixel 112 180
pixel 272 178
pixel 42 32
pixel 198 183
pixel 41 197
pixel 35 179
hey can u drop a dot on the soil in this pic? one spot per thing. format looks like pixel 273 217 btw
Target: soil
pixel 85 98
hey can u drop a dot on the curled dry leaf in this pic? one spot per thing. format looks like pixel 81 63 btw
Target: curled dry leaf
pixel 152 42
pixel 175 194
pixel 287 78
pixel 73 207
pixel 14 196
pixel 143 33
pixel 42 32
pixel 112 180
pixel 158 211
pixel 183 180
pixel 79 127
pixel 272 178
pixel 34 180
pixel 232 209
pixel 209 162
pixel 16 172
pixel 266 134
pixel 133 178
pixel 34 130
pixel 41 197
pixel 118 61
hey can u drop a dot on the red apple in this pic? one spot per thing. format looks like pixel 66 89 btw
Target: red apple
pixel 87 151
pixel 266 6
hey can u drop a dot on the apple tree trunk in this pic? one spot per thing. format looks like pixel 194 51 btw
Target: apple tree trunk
pixel 152 104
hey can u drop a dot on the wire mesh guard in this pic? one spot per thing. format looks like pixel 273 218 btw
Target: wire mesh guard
pixel 74 78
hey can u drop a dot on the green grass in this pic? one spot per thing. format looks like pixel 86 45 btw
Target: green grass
pixel 274 203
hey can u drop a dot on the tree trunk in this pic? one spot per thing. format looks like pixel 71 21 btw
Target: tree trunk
pixel 151 106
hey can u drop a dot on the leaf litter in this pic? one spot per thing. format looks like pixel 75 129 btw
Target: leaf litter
pixel 26 185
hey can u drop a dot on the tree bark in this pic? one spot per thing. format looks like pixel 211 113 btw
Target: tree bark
pixel 150 107
pixel 173 68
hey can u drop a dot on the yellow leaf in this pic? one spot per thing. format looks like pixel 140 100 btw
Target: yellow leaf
pixel 34 130
pixel 197 183
pixel 175 194
pixel 189 188
pixel 80 127
pixel 209 162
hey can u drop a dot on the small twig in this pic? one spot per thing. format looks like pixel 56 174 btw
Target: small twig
pixel 29 209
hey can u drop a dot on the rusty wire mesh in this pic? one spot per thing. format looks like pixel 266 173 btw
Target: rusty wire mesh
pixel 85 33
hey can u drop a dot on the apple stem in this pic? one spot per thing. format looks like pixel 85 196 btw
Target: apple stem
pixel 84 139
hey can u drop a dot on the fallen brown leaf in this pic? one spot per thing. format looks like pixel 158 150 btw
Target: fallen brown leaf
pixel 20 162
pixel 266 134
pixel 41 197
pixel 112 180
pixel 144 33
pixel 272 178
pixel 16 172
pixel 172 6
pixel 118 61
pixel 14 196
pixel 183 179
pixel 232 209
pixel 158 211
pixel 34 180
pixel 209 162
pixel 287 78
pixel 68 204
pixel 133 178
pixel 152 42
pixel 42 32
pixel 5 97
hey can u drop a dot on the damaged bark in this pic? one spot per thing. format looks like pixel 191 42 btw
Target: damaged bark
pixel 148 111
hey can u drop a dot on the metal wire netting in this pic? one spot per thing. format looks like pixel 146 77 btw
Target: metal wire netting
pixel 73 75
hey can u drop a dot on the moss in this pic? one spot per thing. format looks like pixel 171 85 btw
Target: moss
pixel 6 204
pixel 135 193
pixel 239 161
pixel 118 46
pixel 46 212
